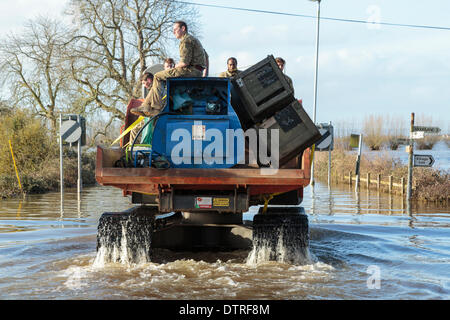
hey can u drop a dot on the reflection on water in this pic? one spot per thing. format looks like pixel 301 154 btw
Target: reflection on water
pixel 354 238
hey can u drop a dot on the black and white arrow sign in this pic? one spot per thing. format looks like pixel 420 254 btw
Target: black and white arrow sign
pixel 423 160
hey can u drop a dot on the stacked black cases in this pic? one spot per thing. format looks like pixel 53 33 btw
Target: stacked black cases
pixel 259 91
pixel 295 128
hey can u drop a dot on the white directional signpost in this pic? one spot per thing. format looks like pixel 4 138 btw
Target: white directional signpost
pixel 427 129
pixel 418 160
pixel 417 135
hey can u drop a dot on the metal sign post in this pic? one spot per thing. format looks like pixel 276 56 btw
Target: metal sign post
pixel 315 83
pixel 326 143
pixel 71 131
pixel 61 168
pixel 79 181
pixel 410 160
pixel 329 167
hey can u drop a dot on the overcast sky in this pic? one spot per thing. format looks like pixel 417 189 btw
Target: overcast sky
pixel 363 69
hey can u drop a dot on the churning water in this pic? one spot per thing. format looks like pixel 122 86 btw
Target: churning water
pixel 361 246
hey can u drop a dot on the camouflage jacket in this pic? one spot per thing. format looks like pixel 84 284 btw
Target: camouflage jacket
pixel 228 74
pixel 191 51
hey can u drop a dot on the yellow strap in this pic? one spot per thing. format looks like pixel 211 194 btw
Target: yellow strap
pixel 15 167
pixel 267 199
pixel 131 127
pixel 128 129
pixel 312 153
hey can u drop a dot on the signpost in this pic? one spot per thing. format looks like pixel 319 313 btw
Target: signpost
pixel 417 135
pixel 418 160
pixel 358 161
pixel 426 129
pixel 410 159
pixel 326 143
pixel 72 130
pixel 423 160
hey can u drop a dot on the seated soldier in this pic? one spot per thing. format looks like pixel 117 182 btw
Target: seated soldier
pixel 232 69
pixel 147 81
pixel 192 64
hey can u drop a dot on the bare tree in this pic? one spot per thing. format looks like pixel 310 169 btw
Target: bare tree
pixel 32 68
pixel 114 42
pixel 373 129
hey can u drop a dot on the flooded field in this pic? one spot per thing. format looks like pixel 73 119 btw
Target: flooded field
pixel 364 246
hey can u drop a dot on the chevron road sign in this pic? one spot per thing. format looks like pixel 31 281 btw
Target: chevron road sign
pixel 423 160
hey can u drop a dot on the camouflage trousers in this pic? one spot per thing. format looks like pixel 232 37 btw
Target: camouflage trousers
pixel 135 130
pixel 153 101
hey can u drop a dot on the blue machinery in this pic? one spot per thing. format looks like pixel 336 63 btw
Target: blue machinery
pixel 196 128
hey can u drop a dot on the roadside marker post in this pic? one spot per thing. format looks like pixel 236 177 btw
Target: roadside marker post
pixel 72 130
pixel 358 162
pixel 410 159
pixel 326 143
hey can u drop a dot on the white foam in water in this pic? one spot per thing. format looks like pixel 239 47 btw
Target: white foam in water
pixel 75 276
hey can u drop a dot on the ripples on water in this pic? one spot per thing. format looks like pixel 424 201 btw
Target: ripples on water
pixel 46 255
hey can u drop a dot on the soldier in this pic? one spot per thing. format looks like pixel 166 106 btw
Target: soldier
pixel 232 69
pixel 147 81
pixel 281 63
pixel 192 64
pixel 169 64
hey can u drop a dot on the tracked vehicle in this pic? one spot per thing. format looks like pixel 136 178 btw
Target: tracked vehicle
pixel 218 147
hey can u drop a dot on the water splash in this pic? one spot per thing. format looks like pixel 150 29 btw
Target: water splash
pixel 281 238
pixel 124 238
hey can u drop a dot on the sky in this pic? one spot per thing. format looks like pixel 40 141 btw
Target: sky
pixel 364 69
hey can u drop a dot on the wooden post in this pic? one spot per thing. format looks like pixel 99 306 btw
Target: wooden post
pixel 403 186
pixel 350 178
pixel 358 163
pixel 378 182
pixel 368 180
pixel 390 184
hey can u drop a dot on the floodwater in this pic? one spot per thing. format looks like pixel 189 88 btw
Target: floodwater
pixel 365 246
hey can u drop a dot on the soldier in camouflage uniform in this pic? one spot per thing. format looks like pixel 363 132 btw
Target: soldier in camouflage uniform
pixel 192 64
pixel 146 81
pixel 281 63
pixel 232 69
